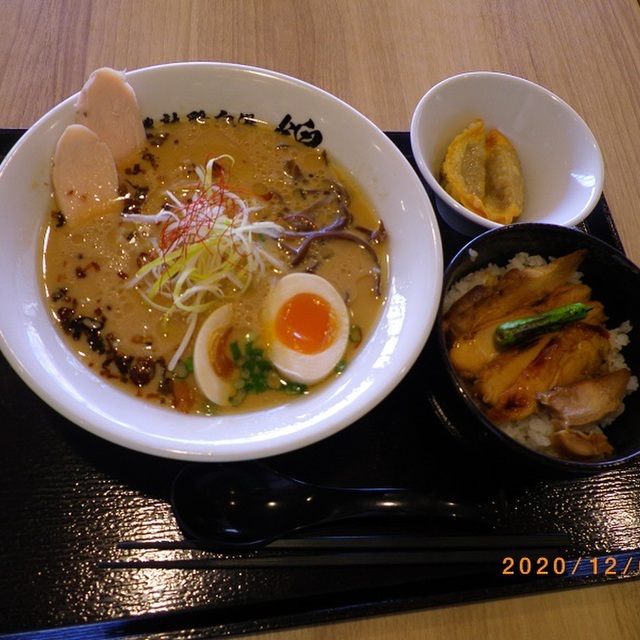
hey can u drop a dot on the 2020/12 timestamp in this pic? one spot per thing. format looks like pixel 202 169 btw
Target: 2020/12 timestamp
pixel 619 564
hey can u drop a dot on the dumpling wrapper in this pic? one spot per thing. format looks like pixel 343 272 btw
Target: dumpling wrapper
pixel 504 191
pixel 464 167
pixel 482 172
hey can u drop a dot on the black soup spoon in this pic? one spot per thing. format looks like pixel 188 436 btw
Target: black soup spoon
pixel 245 505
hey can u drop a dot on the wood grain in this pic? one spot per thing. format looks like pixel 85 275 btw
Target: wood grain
pixel 380 56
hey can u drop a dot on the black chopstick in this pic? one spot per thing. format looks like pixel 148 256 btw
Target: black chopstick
pixel 348 550
pixel 396 558
pixel 504 541
pixel 496 541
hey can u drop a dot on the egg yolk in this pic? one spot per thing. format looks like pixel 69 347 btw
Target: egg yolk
pixel 305 323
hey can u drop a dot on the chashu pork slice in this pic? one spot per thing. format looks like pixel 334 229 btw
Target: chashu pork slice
pixel 576 444
pixel 472 352
pixel 517 288
pixel 575 353
pixel 85 180
pixel 587 400
pixel 107 105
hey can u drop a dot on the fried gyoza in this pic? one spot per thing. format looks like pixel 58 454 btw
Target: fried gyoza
pixel 482 171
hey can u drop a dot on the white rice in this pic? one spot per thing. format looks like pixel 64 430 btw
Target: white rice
pixel 536 430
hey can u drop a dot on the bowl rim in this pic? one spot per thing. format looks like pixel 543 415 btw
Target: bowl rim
pixel 449 202
pixel 341 407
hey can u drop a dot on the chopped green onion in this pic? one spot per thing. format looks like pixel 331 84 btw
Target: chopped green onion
pixel 236 353
pixel 341 366
pixel 294 388
pixel 355 334
pixel 180 370
pixel 238 398
pixel 183 368
pixel 257 373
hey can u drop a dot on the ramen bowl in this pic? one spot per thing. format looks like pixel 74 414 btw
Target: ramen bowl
pixel 611 276
pixel 37 350
pixel 561 162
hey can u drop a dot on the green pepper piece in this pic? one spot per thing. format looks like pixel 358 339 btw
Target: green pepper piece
pixel 515 332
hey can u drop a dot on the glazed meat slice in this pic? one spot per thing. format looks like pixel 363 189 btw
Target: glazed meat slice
pixel 470 353
pixel 576 444
pixel 503 372
pixel 587 400
pixel 570 355
pixel 108 106
pixel 518 288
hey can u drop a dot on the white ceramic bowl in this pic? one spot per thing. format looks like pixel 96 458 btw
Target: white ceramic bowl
pixel 35 348
pixel 561 162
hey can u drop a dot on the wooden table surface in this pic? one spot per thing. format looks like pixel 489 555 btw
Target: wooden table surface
pixel 379 56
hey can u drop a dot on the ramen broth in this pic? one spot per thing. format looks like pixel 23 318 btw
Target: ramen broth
pixel 126 338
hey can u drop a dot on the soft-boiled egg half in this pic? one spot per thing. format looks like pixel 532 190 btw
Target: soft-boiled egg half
pixel 212 365
pixel 308 325
pixel 306 328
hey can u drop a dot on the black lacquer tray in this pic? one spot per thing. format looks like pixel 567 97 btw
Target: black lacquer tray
pixel 68 499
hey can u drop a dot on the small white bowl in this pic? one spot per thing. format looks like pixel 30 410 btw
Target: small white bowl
pixel 561 162
pixel 34 346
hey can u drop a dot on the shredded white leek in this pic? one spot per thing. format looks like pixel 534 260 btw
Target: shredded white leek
pixel 209 249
